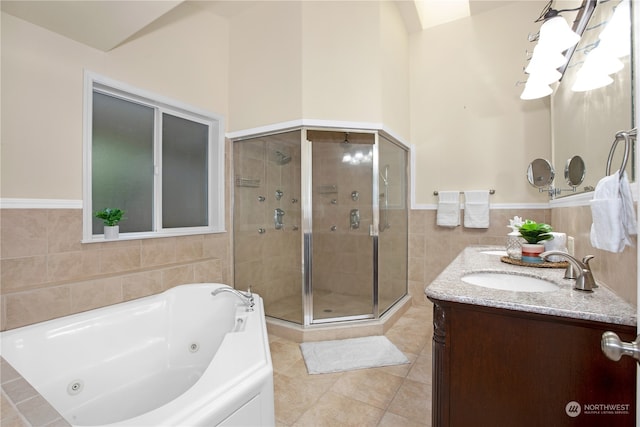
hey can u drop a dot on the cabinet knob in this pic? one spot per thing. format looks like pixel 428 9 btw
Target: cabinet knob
pixel 614 348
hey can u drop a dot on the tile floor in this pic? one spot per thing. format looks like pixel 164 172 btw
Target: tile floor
pixel 389 396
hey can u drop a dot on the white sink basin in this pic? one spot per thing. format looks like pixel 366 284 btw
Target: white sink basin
pixel 510 282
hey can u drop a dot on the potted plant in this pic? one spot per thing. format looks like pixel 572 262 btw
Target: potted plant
pixel 534 233
pixel 110 218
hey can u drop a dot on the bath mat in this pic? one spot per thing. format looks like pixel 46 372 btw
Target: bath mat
pixel 324 357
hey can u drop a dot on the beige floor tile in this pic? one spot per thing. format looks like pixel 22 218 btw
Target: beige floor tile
pixel 400 370
pixel 421 369
pixel 371 386
pixel 294 396
pixel 407 341
pixel 393 420
pixel 359 398
pixel 336 410
pixel 284 354
pixel 413 401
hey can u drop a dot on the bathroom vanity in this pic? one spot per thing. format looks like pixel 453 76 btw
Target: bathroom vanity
pixel 515 358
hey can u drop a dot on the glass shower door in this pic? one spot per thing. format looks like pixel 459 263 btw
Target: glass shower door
pixel 342 272
pixel 267 249
pixel 394 224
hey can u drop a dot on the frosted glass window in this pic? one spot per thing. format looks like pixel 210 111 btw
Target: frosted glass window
pixel 184 172
pixel 122 161
pixel 159 160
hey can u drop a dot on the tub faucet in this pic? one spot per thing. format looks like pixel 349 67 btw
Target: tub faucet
pixel 246 297
pixel 584 281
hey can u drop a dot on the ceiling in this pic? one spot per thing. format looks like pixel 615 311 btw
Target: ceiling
pixel 105 24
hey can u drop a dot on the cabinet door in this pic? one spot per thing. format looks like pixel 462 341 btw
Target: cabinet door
pixel 504 368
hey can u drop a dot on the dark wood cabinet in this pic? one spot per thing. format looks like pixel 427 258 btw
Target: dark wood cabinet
pixel 497 367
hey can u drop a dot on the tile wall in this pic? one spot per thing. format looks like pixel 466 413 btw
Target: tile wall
pixel 46 272
pixel 617 270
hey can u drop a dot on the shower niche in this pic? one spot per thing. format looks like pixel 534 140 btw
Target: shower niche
pixel 321 223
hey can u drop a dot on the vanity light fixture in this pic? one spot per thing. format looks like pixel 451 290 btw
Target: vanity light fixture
pixel 616 36
pixel 555 37
pixel 603 57
pixel 535 88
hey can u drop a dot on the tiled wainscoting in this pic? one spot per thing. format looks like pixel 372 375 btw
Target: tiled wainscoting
pixel 46 271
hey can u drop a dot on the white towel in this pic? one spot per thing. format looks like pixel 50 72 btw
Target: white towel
pixel 558 243
pixel 476 209
pixel 448 214
pixel 612 213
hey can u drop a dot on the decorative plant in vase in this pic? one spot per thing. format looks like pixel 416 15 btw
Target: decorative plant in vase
pixel 110 218
pixel 534 233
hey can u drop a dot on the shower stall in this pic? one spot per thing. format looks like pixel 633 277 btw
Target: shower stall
pixel 321 223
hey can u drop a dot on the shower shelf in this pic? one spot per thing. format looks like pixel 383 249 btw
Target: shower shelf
pixel 247 182
pixel 327 189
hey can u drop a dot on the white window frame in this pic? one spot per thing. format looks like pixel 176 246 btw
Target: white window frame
pixel 160 104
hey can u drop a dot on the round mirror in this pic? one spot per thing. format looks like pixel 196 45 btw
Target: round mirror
pixel 574 171
pixel 540 173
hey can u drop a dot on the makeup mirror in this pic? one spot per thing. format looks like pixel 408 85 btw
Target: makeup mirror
pixel 540 173
pixel 574 171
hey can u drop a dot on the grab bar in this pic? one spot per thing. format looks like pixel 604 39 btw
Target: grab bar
pixel 625 136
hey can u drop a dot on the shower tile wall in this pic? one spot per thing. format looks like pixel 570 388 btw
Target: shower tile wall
pixel 342 259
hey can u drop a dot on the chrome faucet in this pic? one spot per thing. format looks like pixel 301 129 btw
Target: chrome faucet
pixel 584 281
pixel 246 297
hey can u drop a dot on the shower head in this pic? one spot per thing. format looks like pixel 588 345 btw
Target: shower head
pixel 282 158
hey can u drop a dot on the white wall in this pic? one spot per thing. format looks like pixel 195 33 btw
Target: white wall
pixel 469 127
pixel 184 55
pixel 449 90
pixel 265 65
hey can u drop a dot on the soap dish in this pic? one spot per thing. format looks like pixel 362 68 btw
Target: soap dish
pixel 546 264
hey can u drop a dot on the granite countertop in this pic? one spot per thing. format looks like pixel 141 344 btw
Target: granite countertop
pixel 601 305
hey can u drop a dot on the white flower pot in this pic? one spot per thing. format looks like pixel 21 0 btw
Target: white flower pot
pixel 111 232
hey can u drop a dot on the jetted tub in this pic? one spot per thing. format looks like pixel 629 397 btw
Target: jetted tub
pixel 182 358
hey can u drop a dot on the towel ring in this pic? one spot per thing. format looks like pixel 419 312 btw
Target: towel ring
pixel 625 136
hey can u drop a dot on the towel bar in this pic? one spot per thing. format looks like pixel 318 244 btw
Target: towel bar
pixel 435 193
pixel 625 136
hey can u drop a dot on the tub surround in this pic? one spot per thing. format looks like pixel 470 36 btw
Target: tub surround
pixel 187 340
pixel 601 305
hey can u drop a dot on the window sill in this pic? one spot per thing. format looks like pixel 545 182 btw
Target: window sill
pixel 99 238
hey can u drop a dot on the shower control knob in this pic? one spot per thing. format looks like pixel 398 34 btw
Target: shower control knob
pixel 261 230
pixel 614 348
pixel 334 228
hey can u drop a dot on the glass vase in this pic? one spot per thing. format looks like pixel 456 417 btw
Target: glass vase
pixel 514 246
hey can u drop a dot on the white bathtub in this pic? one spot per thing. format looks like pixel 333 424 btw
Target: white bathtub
pixel 181 358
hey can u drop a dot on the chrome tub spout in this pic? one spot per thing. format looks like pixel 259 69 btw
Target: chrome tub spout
pixel 246 297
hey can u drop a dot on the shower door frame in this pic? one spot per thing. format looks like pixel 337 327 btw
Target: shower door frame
pixel 306 217
pixel 306 183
